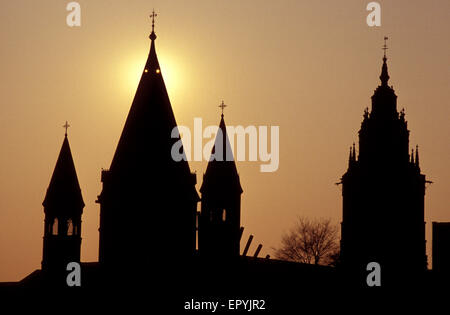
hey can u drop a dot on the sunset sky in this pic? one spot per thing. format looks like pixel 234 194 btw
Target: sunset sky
pixel 309 67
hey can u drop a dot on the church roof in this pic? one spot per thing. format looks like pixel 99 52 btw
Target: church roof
pixel 64 191
pixel 150 115
pixel 145 145
pixel 221 173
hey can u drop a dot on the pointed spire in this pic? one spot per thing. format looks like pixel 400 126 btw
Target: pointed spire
pixel 417 155
pixel 64 191
pixel 150 117
pixel 384 77
pixel 221 173
pixel 412 156
pixel 152 64
pixel 146 136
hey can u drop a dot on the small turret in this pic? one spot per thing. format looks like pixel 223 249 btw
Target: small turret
pixel 63 207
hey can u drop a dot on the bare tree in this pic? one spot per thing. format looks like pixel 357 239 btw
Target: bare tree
pixel 311 242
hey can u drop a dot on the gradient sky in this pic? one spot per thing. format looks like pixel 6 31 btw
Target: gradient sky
pixel 309 67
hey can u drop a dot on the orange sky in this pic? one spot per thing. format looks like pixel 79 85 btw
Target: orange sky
pixel 309 67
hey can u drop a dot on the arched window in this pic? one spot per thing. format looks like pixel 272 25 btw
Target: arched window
pixel 75 229
pixel 70 230
pixel 55 227
pixel 224 215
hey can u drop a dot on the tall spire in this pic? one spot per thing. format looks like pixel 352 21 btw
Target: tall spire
pixel 219 222
pixel 150 116
pixel 142 176
pixel 384 100
pixel 220 216
pixel 384 77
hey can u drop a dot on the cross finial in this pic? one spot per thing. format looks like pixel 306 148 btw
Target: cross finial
pixel 66 126
pixel 153 15
pixel 152 34
pixel 222 106
pixel 385 46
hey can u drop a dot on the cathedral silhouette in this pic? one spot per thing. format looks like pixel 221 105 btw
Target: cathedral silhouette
pixel 150 227
pixel 383 193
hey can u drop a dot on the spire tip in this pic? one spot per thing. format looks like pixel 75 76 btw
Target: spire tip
pixel 384 77
pixel 152 34
pixel 222 106
pixel 66 126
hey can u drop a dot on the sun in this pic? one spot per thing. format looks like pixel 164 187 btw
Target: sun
pixel 172 73
pixel 131 73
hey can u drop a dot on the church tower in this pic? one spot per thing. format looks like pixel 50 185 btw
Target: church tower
pixel 220 217
pixel 148 201
pixel 63 206
pixel 383 193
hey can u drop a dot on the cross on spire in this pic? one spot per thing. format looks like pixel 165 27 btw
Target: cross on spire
pixel 222 106
pixel 385 46
pixel 153 15
pixel 66 126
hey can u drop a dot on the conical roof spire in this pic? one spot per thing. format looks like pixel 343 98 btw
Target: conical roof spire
pixel 64 191
pixel 221 173
pixel 150 117
pixel 146 139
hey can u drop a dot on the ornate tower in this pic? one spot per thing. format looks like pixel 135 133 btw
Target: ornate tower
pixel 148 201
pixel 219 225
pixel 383 193
pixel 63 206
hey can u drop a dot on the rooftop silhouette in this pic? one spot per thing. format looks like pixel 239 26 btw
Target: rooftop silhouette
pixel 149 219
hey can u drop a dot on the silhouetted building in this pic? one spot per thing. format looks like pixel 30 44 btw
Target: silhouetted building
pixel 63 207
pixel 220 218
pixel 148 209
pixel 441 246
pixel 383 192
pixel 148 202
